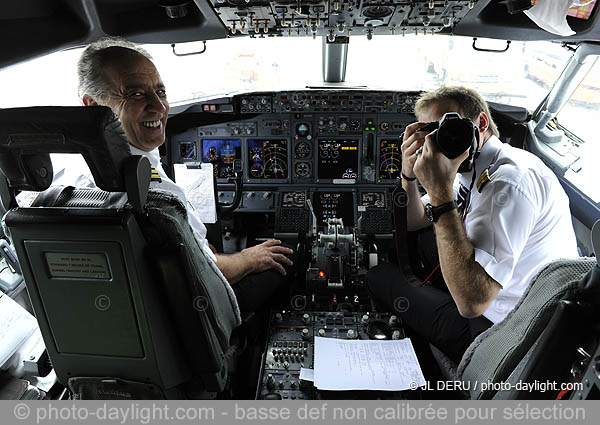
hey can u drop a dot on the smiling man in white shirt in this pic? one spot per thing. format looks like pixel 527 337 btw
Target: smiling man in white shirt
pixel 517 220
pixel 116 73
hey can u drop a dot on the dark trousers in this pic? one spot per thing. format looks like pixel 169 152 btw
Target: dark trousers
pixel 428 311
pixel 255 291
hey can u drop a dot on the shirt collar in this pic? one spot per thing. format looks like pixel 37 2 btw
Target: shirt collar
pixel 486 157
pixel 153 155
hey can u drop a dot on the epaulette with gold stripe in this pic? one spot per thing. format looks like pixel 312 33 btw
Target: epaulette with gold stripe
pixel 154 177
pixel 483 179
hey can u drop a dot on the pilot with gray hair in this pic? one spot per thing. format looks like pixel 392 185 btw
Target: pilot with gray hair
pixel 121 75
pixel 499 216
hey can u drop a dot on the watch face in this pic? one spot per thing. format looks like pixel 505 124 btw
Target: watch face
pixel 429 212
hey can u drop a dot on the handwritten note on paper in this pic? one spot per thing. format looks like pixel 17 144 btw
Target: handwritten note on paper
pixel 16 325
pixel 198 184
pixel 366 365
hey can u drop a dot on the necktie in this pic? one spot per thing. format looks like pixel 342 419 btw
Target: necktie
pixel 463 200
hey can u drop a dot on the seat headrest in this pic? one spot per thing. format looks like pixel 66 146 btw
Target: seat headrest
pixel 29 135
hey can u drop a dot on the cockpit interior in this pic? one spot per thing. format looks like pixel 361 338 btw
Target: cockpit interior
pixel 316 167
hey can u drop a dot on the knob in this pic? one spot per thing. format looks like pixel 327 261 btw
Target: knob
pixel 343 126
pixel 250 195
pixel 249 130
pixel 293 384
pixel 321 332
pixel 263 101
pixel 305 333
pixel 393 320
pixel 280 384
pixel 396 335
pixel 306 318
pixel 270 381
pixel 351 334
pixel 236 130
pixel 278 318
pixel 221 194
pixel 266 195
pixel 365 319
pixel 286 365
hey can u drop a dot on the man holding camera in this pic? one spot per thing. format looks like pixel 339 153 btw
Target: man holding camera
pixel 499 216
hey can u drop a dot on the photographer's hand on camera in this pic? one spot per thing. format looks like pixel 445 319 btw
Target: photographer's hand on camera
pixel 436 172
pixel 411 142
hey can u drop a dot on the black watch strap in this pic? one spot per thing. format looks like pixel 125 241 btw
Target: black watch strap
pixel 434 213
pixel 408 179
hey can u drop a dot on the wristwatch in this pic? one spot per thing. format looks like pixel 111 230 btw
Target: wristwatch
pixel 433 213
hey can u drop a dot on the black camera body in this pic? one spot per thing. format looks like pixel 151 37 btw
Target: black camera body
pixel 454 136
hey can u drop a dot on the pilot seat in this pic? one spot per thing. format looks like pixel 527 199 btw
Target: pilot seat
pixel 128 304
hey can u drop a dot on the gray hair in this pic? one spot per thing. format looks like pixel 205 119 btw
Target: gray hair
pixel 95 57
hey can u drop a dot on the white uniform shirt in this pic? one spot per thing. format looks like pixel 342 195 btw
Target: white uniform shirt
pixel 519 222
pixel 72 170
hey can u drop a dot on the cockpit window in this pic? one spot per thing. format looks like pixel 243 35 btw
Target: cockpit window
pixel 579 117
pixel 521 76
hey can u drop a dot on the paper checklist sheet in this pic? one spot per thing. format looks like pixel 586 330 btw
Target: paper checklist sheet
pixel 198 184
pixel 16 325
pixel 366 365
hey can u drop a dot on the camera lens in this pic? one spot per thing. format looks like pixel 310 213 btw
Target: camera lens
pixel 454 137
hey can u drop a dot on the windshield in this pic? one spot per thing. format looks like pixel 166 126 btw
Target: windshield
pixel 521 76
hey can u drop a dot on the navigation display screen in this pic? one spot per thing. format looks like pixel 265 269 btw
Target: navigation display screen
pixel 268 159
pixel 390 159
pixel 338 159
pixel 334 205
pixel 221 153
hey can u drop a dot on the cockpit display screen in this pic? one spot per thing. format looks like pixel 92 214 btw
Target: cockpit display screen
pixel 334 205
pixel 338 159
pixel 221 154
pixel 268 159
pixel 390 159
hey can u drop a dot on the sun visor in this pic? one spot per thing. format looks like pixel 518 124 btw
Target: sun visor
pixel 29 135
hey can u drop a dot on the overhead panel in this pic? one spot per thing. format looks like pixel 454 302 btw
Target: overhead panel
pixel 301 18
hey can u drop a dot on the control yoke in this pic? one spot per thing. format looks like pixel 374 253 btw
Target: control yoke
pixel 225 207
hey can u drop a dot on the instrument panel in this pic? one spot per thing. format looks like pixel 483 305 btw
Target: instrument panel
pixel 320 137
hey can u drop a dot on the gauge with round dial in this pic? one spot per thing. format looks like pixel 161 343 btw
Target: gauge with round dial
pixel 302 150
pixel 303 170
pixel 302 130
pixel 323 151
pixel 257 170
pixel 329 149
